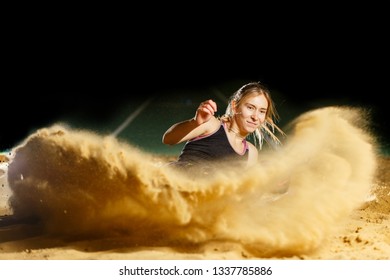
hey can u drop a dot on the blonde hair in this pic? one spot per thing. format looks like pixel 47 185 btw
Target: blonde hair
pixel 268 128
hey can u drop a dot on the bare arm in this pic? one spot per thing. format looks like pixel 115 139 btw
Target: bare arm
pixel 202 123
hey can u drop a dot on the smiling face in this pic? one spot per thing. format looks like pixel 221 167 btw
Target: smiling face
pixel 250 112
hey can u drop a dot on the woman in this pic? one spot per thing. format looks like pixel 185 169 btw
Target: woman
pixel 211 139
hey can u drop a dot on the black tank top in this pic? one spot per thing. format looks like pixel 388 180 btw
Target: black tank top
pixel 210 148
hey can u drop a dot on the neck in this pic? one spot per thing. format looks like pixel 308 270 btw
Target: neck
pixel 237 134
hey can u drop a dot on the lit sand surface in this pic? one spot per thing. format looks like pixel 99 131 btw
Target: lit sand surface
pixel 98 198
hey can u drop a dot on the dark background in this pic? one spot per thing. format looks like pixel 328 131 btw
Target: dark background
pixel 90 70
pixel 95 91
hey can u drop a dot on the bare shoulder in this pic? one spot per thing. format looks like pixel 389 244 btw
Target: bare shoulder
pixel 252 148
pixel 212 125
pixel 252 154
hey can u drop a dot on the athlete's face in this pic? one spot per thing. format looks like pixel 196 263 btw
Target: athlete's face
pixel 251 112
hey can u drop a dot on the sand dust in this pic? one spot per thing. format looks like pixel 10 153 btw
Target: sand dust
pixel 323 195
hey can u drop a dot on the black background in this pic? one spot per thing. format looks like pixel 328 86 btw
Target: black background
pixel 313 62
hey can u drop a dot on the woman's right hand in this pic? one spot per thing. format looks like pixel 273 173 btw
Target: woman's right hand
pixel 205 111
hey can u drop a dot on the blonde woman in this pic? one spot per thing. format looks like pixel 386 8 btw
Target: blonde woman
pixel 250 113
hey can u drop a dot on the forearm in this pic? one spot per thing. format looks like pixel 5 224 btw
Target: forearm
pixel 179 132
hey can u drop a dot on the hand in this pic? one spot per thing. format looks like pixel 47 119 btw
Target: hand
pixel 205 111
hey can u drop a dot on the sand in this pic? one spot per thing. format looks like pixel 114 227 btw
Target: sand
pixel 324 196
